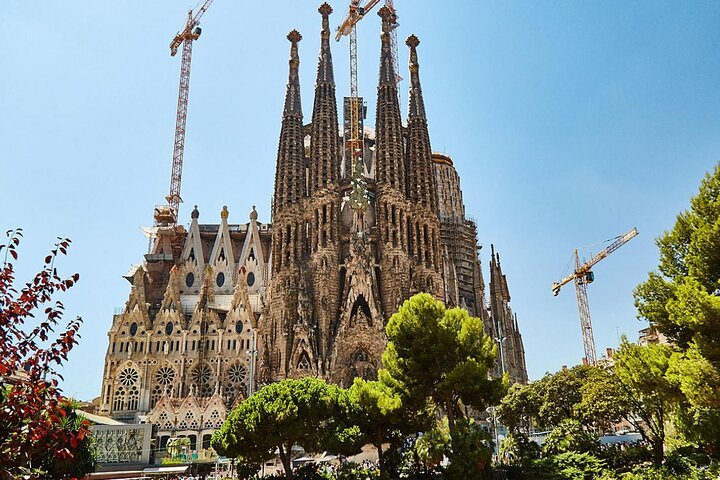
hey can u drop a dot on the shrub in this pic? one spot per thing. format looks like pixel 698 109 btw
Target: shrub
pixel 518 449
pixel 574 466
pixel 569 436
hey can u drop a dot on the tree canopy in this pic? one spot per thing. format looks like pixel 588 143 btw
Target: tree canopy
pixel 40 436
pixel 441 354
pixel 682 301
pixel 442 357
pixel 277 417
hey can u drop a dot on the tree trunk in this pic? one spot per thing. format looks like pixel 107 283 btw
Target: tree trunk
pixel 658 451
pixel 286 461
pixel 381 458
pixel 450 415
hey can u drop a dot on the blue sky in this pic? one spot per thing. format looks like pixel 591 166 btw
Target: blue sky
pixel 569 123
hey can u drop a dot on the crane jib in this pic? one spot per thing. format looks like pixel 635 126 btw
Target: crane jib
pixel 583 275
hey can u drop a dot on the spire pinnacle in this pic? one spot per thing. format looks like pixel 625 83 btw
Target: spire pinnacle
pixel 421 170
pixel 290 171
pixel 294 37
pixel 417 104
pixel 389 18
pixel 389 154
pixel 387 70
pixel 325 70
pixel 412 42
pixel 325 10
pixel 324 137
pixel 292 98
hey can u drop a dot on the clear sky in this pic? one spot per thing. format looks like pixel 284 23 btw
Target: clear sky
pixel 569 123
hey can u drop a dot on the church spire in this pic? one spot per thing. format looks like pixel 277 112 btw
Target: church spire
pixel 325 140
pixel 325 67
pixel 292 97
pixel 388 128
pixel 417 105
pixel 290 171
pixel 421 178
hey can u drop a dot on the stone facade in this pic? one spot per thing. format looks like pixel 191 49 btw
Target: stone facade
pixel 188 327
pixel 217 308
pixel 464 284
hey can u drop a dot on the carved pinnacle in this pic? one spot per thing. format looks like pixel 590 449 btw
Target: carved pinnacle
pixel 325 9
pixel 294 37
pixel 412 41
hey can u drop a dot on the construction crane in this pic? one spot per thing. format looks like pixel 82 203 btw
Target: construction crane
pixel 583 275
pixel 394 42
pixel 349 28
pixel 169 214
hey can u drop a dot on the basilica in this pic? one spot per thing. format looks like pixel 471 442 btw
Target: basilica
pixel 218 309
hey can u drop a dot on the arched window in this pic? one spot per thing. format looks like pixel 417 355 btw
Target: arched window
pixel 133 398
pixel 304 362
pixel 156 395
pixel 119 399
pixel 361 356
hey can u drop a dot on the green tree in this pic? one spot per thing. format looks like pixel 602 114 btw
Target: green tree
pixel 521 406
pixel 433 445
pixel 699 416
pixel 471 451
pixel 561 393
pixel 82 461
pixel 651 398
pixel 570 436
pixel 681 301
pixel 604 402
pixel 379 413
pixel 517 449
pixel 277 417
pixel 442 356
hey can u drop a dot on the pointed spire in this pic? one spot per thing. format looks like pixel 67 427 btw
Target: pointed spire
pixel 388 129
pixel 498 280
pixel 325 67
pixel 387 70
pixel 493 269
pixel 421 172
pixel 292 98
pixel 417 104
pixel 324 138
pixel 290 171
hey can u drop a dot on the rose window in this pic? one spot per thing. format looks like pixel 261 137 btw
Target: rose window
pixel 201 374
pixel 237 373
pixel 165 375
pixel 128 377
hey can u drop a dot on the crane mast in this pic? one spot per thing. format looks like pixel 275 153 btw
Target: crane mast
pixel 394 42
pixel 588 338
pixel 582 276
pixel 169 214
pixel 349 28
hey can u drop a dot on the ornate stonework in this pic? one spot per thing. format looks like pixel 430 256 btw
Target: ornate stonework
pixel 189 325
pixel 122 444
pixel 215 309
